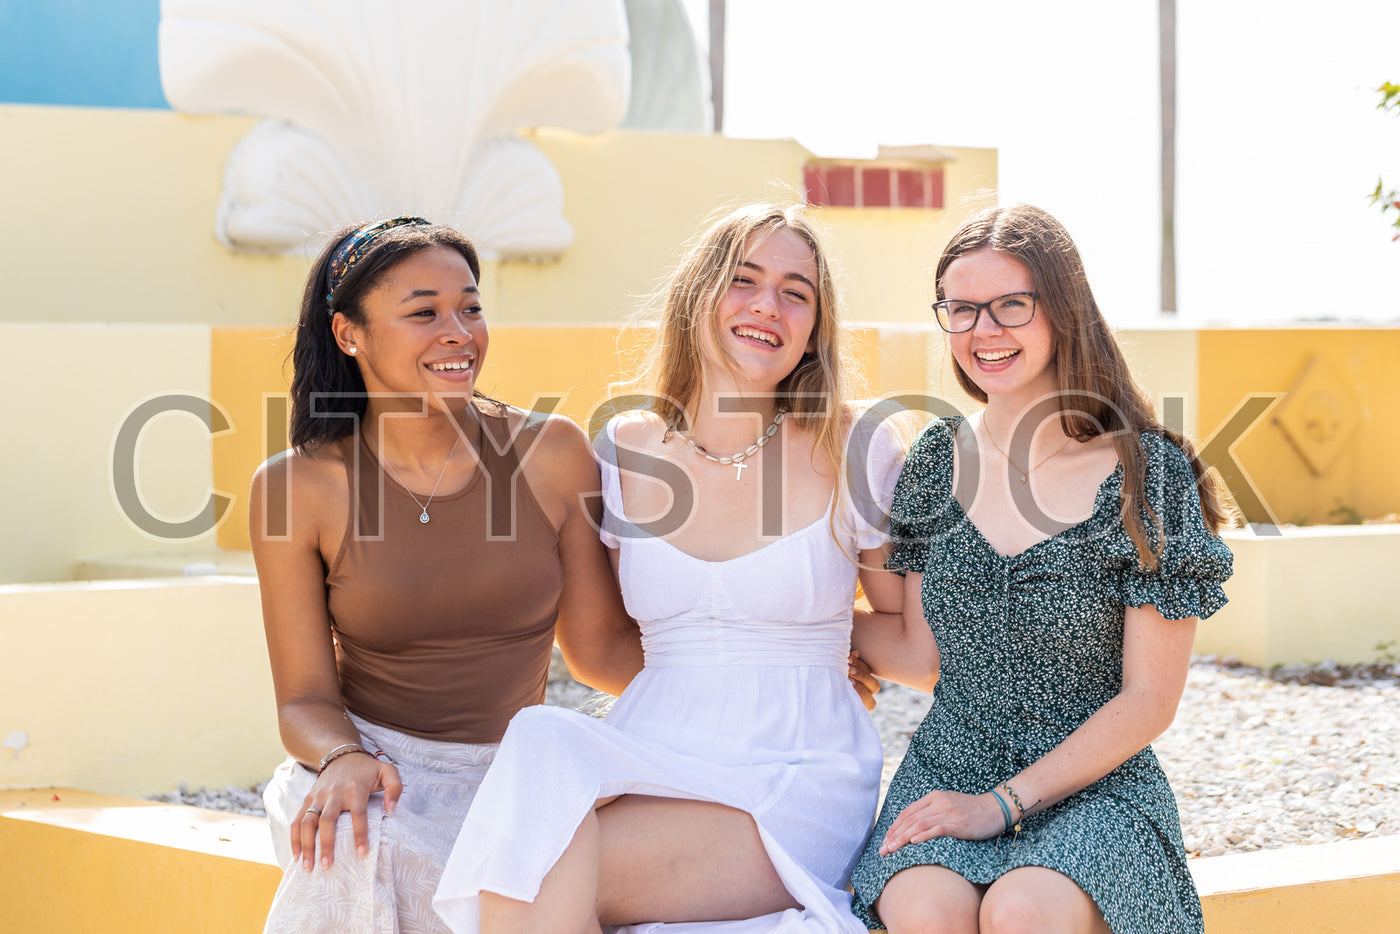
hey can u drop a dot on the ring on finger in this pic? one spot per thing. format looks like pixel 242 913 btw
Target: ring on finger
pixel 311 811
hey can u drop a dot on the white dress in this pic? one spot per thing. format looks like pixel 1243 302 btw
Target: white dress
pixel 744 701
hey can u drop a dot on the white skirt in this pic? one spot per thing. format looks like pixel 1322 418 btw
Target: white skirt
pixel 389 890
pixel 791 746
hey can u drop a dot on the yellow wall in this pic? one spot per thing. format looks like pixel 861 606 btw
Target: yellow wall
pixel 69 387
pixel 109 216
pixel 140 191
pixel 1164 362
pixel 249 376
pixel 132 687
pixel 1364 477
pixel 886 257
pixel 1308 595
pixel 633 199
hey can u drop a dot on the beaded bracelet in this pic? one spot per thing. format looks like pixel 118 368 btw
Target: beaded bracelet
pixel 1016 800
pixel 1005 811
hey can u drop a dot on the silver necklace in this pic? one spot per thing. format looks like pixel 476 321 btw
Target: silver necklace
pixel 384 459
pixel 737 461
pixel 1025 474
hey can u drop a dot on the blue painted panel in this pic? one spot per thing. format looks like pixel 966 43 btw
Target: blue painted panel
pixel 89 53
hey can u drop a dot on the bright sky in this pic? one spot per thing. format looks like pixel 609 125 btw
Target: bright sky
pixel 1278 138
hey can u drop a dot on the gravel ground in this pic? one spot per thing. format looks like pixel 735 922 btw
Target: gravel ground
pixel 1258 760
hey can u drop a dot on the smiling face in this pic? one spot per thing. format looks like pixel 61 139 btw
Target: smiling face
pixel 765 318
pixel 1001 361
pixel 423 330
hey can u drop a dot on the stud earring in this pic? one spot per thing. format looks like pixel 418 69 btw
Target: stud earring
pixel 354 350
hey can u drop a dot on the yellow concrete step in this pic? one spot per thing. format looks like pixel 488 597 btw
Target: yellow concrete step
pixel 77 861
pixel 1351 887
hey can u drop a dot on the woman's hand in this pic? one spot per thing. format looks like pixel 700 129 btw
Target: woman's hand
pixel 863 680
pixel 344 785
pixel 945 814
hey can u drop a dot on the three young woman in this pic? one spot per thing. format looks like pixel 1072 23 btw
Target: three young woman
pixel 1056 550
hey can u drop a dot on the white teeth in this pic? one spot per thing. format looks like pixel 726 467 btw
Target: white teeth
pixel 450 366
pixel 995 356
pixel 769 339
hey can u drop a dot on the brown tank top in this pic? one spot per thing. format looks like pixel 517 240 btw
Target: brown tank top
pixel 443 630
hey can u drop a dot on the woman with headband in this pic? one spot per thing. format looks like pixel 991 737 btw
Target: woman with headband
pixel 413 563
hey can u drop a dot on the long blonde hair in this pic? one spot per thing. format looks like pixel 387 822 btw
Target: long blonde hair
pixel 815 394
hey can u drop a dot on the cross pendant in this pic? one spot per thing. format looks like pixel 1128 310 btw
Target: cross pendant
pixel 739 469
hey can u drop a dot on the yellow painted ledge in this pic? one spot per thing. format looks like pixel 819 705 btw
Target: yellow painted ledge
pixel 1351 887
pixel 77 861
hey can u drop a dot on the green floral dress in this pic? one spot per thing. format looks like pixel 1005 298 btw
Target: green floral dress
pixel 1030 646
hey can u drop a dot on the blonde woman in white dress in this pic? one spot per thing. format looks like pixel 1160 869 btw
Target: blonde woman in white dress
pixel 734 782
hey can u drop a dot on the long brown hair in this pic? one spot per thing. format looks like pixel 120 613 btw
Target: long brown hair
pixel 1097 392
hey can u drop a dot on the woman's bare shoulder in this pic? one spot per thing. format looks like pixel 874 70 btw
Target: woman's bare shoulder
pixel 302 469
pixel 639 430
pixel 300 493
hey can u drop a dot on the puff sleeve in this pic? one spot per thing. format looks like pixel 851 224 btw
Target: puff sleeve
pixel 615 525
pixel 1194 561
pixel 874 458
pixel 922 496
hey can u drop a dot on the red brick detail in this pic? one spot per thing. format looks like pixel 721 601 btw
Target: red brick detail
pixel 913 193
pixel 935 179
pixel 875 188
pixel 841 186
pixel 814 177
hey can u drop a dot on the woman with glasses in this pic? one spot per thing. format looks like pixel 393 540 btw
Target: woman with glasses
pixel 1060 544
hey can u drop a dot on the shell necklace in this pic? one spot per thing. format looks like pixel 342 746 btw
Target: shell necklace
pixel 383 459
pixel 740 460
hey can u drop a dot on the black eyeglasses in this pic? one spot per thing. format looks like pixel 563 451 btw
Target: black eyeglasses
pixel 1013 310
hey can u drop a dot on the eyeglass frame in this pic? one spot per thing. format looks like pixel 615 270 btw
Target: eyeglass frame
pixel 984 306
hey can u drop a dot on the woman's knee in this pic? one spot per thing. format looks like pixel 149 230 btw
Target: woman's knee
pixel 1013 911
pixel 929 900
pixel 1038 901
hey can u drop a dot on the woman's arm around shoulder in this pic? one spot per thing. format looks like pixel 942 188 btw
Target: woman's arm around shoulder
pixel 893 639
pixel 600 643
pixel 297 514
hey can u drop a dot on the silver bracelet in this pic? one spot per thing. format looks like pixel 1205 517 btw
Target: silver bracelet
pixel 326 759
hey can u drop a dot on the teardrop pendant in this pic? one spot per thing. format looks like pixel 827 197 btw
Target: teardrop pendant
pixel 424 517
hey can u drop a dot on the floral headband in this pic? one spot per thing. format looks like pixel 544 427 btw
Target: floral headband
pixel 353 248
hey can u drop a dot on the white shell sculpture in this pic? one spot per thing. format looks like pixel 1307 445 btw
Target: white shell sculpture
pixel 670 89
pixel 378 108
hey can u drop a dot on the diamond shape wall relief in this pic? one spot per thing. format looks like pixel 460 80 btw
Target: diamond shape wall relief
pixel 1319 415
